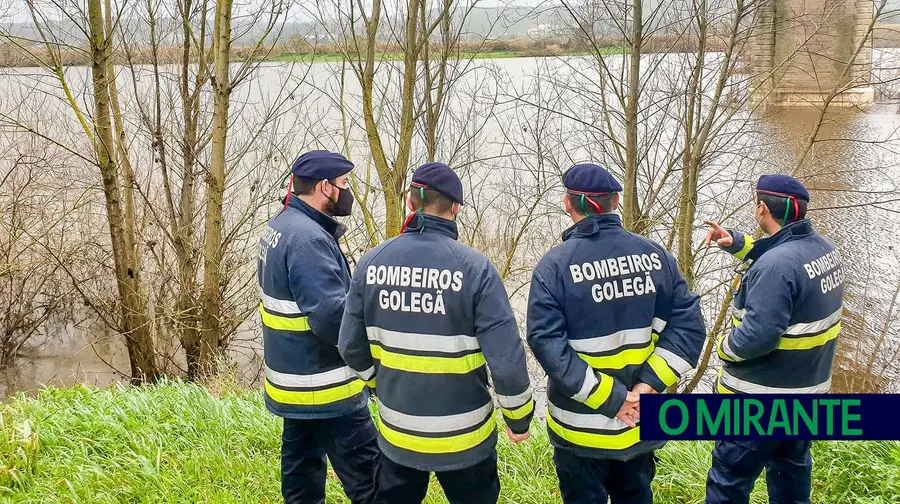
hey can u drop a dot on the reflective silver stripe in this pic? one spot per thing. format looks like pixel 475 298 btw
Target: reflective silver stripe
pixel 817 326
pixel 279 305
pixel 738 314
pixel 306 381
pixel 674 361
pixel 612 341
pixel 423 342
pixel 583 421
pixel 658 325
pixel 590 381
pixel 367 374
pixel 434 424
pixel 753 388
pixel 513 402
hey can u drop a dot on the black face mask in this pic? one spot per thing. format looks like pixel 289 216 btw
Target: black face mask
pixel 344 204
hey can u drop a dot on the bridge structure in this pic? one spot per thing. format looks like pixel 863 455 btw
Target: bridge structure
pixel 804 49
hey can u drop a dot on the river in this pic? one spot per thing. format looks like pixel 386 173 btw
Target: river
pixel 511 126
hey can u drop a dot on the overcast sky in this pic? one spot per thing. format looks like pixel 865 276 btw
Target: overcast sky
pixel 16 11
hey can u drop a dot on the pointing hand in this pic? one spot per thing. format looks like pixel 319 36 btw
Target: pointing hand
pixel 718 234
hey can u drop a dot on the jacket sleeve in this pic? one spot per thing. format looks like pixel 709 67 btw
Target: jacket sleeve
pixel 498 336
pixel 315 279
pixel 741 246
pixel 681 337
pixel 353 342
pixel 768 306
pixel 550 346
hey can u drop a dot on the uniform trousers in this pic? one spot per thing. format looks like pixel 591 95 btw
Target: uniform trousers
pixel 584 480
pixel 737 465
pixel 477 484
pixel 349 442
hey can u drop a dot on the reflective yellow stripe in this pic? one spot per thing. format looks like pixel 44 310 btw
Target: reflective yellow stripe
pixel 618 441
pixel 450 444
pixel 665 373
pixel 810 341
pixel 719 348
pixel 748 246
pixel 601 395
pixel 721 388
pixel 280 323
pixel 316 397
pixel 630 357
pixel 520 412
pixel 423 364
pixel 371 383
pixel 736 321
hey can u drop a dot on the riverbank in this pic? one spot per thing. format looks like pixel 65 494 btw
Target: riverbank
pixel 463 55
pixel 11 58
pixel 178 442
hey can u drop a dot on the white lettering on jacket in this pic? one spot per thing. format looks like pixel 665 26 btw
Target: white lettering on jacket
pixel 635 269
pixel 423 288
pixel 829 268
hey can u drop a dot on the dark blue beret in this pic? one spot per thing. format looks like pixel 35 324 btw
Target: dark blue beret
pixel 321 165
pixel 782 185
pixel 591 179
pixel 441 178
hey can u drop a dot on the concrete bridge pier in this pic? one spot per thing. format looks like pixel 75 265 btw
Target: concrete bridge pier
pixel 802 48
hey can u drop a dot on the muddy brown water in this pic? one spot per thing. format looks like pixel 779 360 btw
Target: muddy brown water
pixel 859 163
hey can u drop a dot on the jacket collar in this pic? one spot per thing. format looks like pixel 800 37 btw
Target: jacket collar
pixel 792 231
pixel 424 223
pixel 592 225
pixel 331 226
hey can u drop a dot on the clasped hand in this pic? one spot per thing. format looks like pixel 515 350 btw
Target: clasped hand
pixel 630 412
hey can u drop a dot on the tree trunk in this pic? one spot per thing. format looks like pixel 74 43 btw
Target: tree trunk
pixel 135 320
pixel 390 186
pixel 395 182
pixel 434 104
pixel 690 169
pixel 215 184
pixel 393 175
pixel 686 213
pixel 631 214
pixel 122 145
pixel 187 303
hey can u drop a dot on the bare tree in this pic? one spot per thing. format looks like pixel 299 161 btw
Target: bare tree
pixel 35 288
pixel 359 33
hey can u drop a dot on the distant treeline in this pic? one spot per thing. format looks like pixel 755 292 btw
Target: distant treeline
pixel 300 49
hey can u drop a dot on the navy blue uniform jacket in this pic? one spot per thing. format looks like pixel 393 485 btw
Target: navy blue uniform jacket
pixel 303 279
pixel 608 309
pixel 786 314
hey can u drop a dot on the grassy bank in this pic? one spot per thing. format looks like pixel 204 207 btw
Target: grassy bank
pixel 178 443
pixel 396 56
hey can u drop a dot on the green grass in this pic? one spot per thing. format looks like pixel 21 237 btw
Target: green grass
pixel 178 443
pixel 333 57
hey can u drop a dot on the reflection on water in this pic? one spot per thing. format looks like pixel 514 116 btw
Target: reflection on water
pixel 852 185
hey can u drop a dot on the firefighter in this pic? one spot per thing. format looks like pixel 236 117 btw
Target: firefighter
pixel 785 321
pixel 610 317
pixel 426 318
pixel 303 278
